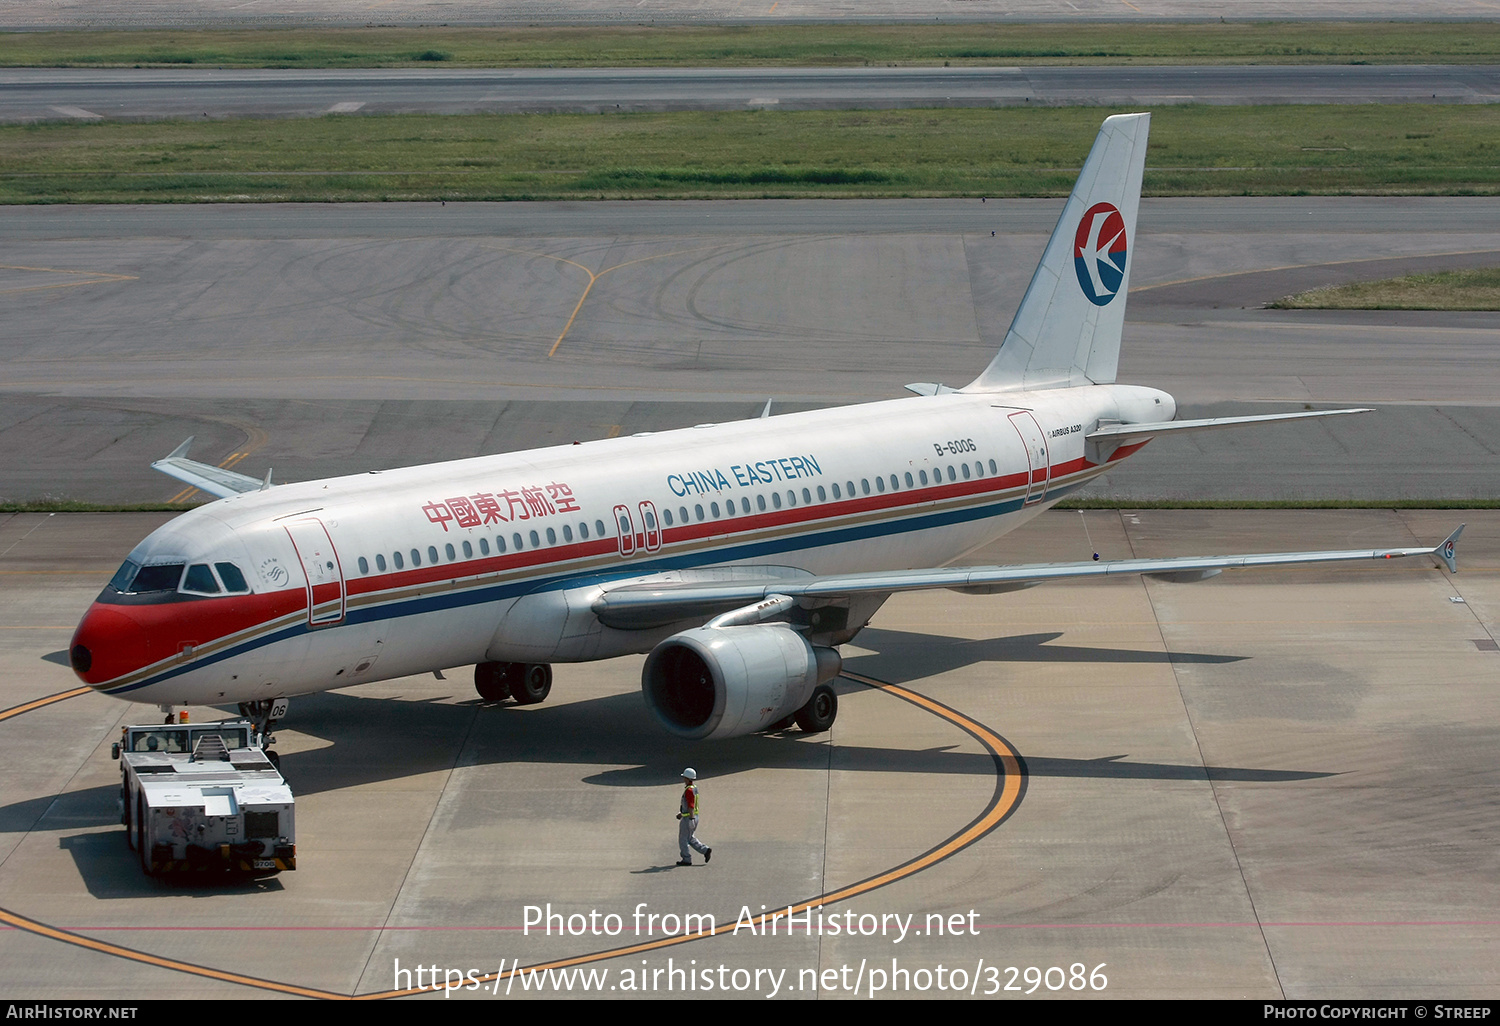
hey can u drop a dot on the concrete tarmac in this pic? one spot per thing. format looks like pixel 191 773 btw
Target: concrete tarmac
pixel 325 340
pixel 1276 784
pixel 60 94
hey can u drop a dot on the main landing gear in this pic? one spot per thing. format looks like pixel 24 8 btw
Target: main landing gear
pixel 527 683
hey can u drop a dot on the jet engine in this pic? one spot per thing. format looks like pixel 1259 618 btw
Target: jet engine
pixel 720 682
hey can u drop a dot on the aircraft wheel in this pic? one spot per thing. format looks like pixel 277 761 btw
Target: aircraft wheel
pixel 491 681
pixel 820 711
pixel 532 684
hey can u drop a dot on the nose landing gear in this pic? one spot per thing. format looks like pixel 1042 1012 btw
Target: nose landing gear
pixel 527 683
pixel 266 714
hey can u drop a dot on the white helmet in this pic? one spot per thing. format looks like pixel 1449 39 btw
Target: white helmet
pixel 690 774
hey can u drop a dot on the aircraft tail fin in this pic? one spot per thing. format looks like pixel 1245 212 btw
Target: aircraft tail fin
pixel 1067 330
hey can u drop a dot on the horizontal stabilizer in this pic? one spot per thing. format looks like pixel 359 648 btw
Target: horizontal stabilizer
pixel 215 481
pixel 1123 433
pixel 634 606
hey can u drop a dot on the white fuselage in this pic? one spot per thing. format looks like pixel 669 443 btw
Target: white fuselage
pixel 379 575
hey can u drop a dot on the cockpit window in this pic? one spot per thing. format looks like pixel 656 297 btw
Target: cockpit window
pixel 123 576
pixel 200 580
pixel 151 578
pixel 234 581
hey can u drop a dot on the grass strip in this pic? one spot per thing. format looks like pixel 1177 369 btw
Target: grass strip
pixel 768 45
pixel 1195 151
pixel 1441 290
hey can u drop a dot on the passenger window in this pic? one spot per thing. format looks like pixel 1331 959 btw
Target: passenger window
pixel 364 565
pixel 713 507
pixel 432 556
pixel 822 495
pixel 992 468
pixel 234 581
pixel 864 484
pixel 895 485
pixel 776 499
pixel 468 551
pixel 666 516
pixel 535 540
pixel 922 476
pixel 200 580
pixel 599 527
pixel 791 497
pixel 484 546
pixel 807 496
pixel 380 562
pixel 416 558
pixel 516 538
pixel 698 509
pixel 978 469
pixel 397 557
pixel 551 536
pixel 966 471
pixel 447 551
pixel 880 484
pixel 682 512
pixel 745 505
pixel 567 533
pixel 836 494
pixel 760 501
pixel 951 475
pixel 583 528
pixel 909 482
pixel 650 521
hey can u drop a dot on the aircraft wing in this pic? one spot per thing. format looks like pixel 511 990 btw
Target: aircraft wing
pixel 216 481
pixel 650 604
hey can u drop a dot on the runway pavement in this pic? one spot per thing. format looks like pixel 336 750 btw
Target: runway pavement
pixel 1276 784
pixel 326 340
pixel 52 94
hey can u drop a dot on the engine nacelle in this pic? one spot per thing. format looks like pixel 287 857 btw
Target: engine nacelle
pixel 719 682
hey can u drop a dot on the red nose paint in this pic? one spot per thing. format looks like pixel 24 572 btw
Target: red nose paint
pixel 115 644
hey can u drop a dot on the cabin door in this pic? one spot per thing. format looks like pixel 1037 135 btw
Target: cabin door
pixel 322 570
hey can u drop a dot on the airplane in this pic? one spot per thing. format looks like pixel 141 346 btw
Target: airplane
pixel 736 556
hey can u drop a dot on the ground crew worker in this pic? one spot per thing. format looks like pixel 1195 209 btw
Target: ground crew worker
pixel 687 821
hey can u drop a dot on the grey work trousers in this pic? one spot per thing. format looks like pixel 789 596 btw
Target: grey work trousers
pixel 687 826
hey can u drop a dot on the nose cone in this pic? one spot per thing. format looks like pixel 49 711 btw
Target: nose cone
pixel 108 644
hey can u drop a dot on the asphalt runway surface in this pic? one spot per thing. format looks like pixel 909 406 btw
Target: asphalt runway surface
pixel 38 94
pixel 35 14
pixel 1276 784
pixel 326 340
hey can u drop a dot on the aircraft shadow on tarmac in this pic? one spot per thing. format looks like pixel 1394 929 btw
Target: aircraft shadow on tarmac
pixel 368 740
pixel 905 656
